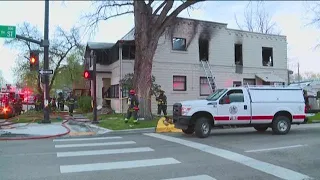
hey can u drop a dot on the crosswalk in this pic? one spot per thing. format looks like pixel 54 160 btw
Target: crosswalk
pixel 111 146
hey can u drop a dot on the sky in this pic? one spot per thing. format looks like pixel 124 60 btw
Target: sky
pixel 291 19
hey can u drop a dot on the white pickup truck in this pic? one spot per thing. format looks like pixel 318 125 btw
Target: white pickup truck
pixel 258 107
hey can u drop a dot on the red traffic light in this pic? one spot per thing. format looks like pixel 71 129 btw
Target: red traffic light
pixel 32 60
pixel 87 74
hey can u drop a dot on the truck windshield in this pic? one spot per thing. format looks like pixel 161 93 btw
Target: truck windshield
pixel 216 94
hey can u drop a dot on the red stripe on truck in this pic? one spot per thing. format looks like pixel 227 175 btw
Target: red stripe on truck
pixel 254 118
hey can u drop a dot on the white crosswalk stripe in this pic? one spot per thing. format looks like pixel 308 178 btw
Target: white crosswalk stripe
pixel 83 147
pixel 200 177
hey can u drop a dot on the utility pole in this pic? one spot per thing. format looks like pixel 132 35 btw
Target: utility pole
pixel 46 64
pixel 95 119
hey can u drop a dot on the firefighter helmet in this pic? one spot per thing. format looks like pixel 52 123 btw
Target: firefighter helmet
pixel 132 91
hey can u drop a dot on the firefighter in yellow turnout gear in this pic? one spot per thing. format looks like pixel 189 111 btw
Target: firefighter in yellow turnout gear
pixel 162 105
pixel 133 107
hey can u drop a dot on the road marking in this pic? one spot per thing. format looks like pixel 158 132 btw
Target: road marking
pixel 202 177
pixel 117 165
pixel 94 144
pixel 268 168
pixel 100 152
pixel 277 148
pixel 85 139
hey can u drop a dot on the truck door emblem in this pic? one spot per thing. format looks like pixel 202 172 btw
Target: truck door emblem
pixel 233 110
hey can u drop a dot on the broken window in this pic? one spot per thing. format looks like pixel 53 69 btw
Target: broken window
pixel 238 54
pixel 179 44
pixel 128 52
pixel 203 50
pixel 267 56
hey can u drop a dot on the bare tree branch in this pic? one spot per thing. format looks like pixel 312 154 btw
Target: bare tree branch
pixel 256 19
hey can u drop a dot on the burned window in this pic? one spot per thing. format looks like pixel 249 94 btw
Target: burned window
pixel 203 49
pixel 128 52
pixel 267 56
pixel 238 54
pixel 179 44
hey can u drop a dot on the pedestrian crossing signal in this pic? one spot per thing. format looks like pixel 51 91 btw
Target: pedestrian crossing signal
pixel 87 74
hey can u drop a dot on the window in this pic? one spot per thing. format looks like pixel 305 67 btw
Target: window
pixel 125 92
pixel 128 52
pixel 203 49
pixel 179 83
pixel 267 56
pixel 114 91
pixel 179 44
pixel 238 54
pixel 204 87
pixel 237 83
pixel 234 96
pixel 249 82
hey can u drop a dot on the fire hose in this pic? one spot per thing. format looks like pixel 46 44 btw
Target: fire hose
pixel 37 137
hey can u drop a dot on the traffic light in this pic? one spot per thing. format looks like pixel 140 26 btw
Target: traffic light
pixel 34 61
pixel 88 74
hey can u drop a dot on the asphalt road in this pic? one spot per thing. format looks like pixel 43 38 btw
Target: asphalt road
pixel 233 154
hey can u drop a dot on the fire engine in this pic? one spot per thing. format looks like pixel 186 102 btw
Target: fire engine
pixel 10 103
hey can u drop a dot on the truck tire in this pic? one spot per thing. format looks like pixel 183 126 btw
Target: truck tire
pixel 202 127
pixel 281 125
pixel 189 130
pixel 260 128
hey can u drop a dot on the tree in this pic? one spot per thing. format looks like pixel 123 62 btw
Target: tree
pixel 257 19
pixel 71 72
pixel 61 44
pixel 151 20
pixel 2 80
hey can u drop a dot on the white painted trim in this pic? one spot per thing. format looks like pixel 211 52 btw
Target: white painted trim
pixel 93 144
pixel 86 139
pixel 117 165
pixel 265 167
pixel 103 152
pixel 276 148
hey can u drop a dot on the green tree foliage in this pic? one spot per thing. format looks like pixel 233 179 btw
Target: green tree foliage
pixel 69 73
pixel 62 44
pixel 84 104
pixel 127 83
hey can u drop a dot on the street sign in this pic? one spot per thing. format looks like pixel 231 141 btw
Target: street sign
pixel 46 71
pixel 7 31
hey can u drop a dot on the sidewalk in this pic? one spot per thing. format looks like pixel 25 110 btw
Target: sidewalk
pixel 34 129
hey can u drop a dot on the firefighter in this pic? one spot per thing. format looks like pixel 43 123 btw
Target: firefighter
pixel 60 101
pixel 162 105
pixel 38 102
pixel 53 104
pixel 71 102
pixel 133 107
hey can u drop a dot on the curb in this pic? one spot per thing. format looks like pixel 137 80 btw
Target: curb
pixel 131 131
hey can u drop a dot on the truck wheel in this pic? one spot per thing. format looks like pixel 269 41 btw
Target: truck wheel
pixel 281 125
pixel 261 128
pixel 189 130
pixel 202 128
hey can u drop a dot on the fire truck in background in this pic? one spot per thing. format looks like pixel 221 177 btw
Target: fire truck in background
pixel 10 102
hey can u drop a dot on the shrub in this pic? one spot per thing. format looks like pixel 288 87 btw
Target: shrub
pixel 84 103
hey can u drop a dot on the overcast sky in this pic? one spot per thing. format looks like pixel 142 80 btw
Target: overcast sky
pixel 291 19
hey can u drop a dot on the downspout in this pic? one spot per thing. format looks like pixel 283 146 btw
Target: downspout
pixel 120 62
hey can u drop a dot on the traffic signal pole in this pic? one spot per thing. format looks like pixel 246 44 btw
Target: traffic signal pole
pixel 46 64
pixel 43 43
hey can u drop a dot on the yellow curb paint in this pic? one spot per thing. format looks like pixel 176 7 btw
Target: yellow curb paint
pixel 81 133
pixel 161 127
